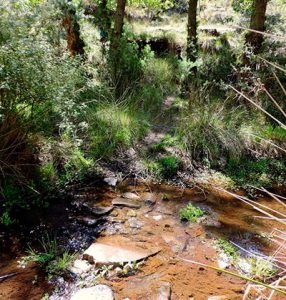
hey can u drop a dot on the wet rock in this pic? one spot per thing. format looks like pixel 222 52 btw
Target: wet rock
pixel 98 292
pixel 91 222
pixel 224 297
pixel 100 211
pixel 149 198
pixel 126 202
pixel 130 196
pixel 164 291
pixel 211 221
pixel 80 266
pixel 134 223
pixel 114 250
pixel 112 181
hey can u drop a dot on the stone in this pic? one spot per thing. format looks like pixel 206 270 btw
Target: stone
pixel 157 218
pixel 164 291
pixel 224 297
pixel 112 181
pixel 149 198
pixel 126 202
pixel 130 196
pixel 80 266
pixel 98 292
pixel 91 222
pixel 100 211
pixel 134 223
pixel 116 250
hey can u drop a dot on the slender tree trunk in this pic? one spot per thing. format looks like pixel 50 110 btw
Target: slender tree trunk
pixel 192 40
pixel 118 24
pixel 257 22
pixel 115 43
pixel 75 44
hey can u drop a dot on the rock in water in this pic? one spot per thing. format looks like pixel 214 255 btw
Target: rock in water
pixel 149 198
pixel 98 292
pixel 130 196
pixel 126 202
pixel 100 211
pixel 112 181
pixel 80 266
pixel 117 249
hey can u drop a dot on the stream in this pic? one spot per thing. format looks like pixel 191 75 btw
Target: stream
pixel 98 214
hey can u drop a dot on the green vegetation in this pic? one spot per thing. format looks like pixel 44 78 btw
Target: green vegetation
pixel 190 213
pixel 228 248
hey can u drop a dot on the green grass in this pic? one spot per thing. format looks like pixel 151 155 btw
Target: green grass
pixel 190 213
pixel 256 172
pixel 60 264
pixel 228 248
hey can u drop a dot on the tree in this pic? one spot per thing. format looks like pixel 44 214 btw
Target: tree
pixel 115 43
pixel 192 40
pixel 74 42
pixel 257 23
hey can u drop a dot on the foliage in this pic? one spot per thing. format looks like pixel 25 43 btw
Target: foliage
pixel 169 165
pixel 243 6
pixel 190 213
pixel 60 264
pixel 211 129
pixel 228 248
pixel 256 172
pixel 47 253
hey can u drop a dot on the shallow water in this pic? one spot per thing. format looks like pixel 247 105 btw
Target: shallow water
pixel 156 225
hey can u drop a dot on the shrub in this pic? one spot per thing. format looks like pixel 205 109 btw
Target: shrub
pixel 169 165
pixel 114 126
pixel 190 213
pixel 228 248
pixel 210 129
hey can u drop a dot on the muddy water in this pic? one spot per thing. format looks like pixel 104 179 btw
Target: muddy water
pixel 155 225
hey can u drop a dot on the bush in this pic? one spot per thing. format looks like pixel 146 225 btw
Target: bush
pixel 211 129
pixel 190 213
pixel 114 126
pixel 169 165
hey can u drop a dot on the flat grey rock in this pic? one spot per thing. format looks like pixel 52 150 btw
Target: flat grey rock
pixel 117 249
pixel 98 292
pixel 100 211
pixel 126 202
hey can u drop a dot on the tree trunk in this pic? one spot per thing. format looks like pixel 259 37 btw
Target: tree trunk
pixel 257 22
pixel 115 43
pixel 192 41
pixel 75 44
pixel 118 25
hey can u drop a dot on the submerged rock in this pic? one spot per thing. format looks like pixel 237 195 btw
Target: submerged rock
pixel 163 292
pixel 117 249
pixel 126 202
pixel 91 222
pixel 149 198
pixel 98 292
